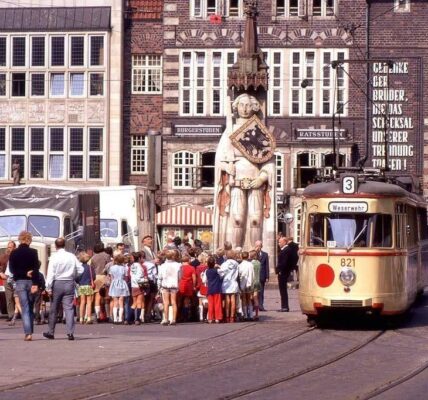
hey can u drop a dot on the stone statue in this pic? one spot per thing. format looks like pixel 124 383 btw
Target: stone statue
pixel 16 172
pixel 245 175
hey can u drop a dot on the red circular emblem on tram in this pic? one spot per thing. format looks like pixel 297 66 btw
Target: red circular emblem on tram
pixel 324 275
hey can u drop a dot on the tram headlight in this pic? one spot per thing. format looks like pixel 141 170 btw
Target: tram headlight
pixel 347 276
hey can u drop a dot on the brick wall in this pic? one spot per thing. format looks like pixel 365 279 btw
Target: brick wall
pixel 141 111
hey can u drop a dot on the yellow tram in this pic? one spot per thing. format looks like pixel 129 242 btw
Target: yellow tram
pixel 364 247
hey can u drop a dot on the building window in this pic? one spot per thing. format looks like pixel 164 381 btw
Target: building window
pixel 37 158
pixel 235 8
pixel 3 51
pixel 276 93
pixel 57 51
pixel 203 81
pixel 207 170
pixel 3 153
pixel 138 155
pixel 146 73
pixel 56 153
pixel 96 145
pixel 323 8
pixel 306 169
pixel 77 51
pixel 333 84
pixel 3 85
pixel 313 92
pixel 97 50
pixel 279 161
pixel 37 84
pixel 401 5
pixel 77 84
pixel 75 167
pixel 216 92
pixel 184 165
pixel 17 149
pixel 96 84
pixel 287 8
pixel 57 85
pixel 37 51
pixel 301 8
pixel 18 84
pixel 310 165
pixel 18 51
pixel 205 8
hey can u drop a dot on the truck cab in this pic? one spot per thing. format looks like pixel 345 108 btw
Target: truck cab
pixel 45 225
pixel 117 230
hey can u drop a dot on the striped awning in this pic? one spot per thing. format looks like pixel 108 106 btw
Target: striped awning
pixel 185 215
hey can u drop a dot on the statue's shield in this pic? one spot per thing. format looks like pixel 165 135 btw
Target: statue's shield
pixel 254 141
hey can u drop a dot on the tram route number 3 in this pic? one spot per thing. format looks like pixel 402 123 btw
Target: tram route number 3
pixel 349 184
pixel 347 262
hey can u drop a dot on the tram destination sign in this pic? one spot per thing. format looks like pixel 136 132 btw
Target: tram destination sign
pixel 348 207
pixel 320 134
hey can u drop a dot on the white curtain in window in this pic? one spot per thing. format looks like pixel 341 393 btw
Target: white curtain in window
pixel 343 231
pixel 56 166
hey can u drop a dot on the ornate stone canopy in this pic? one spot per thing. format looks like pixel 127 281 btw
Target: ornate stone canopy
pixel 250 70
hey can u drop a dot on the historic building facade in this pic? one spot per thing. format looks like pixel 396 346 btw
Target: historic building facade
pixel 308 99
pixel 299 40
pixel 61 91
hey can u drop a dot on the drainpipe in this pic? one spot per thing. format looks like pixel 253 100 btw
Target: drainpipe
pixel 363 160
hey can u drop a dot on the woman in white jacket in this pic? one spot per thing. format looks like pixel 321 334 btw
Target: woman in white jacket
pixel 229 272
pixel 246 285
pixel 168 279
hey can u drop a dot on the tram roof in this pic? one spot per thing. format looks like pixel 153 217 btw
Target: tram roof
pixel 364 188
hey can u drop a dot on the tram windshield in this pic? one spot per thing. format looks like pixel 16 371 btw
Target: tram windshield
pixel 350 230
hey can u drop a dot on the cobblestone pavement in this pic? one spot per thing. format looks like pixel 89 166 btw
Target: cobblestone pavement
pixel 276 358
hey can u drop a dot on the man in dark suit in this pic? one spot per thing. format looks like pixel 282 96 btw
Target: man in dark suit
pixel 264 272
pixel 286 263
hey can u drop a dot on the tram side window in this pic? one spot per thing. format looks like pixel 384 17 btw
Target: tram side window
pixel 423 223
pixel 412 227
pixel 382 229
pixel 316 236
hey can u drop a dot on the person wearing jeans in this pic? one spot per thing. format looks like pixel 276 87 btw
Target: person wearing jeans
pixel 24 265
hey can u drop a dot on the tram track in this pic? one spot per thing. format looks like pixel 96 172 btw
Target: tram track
pixel 391 384
pixel 304 371
pixel 202 366
pixel 119 363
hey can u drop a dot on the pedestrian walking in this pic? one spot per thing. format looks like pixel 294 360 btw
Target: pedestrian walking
pixel 263 257
pixel 63 270
pixel 24 265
